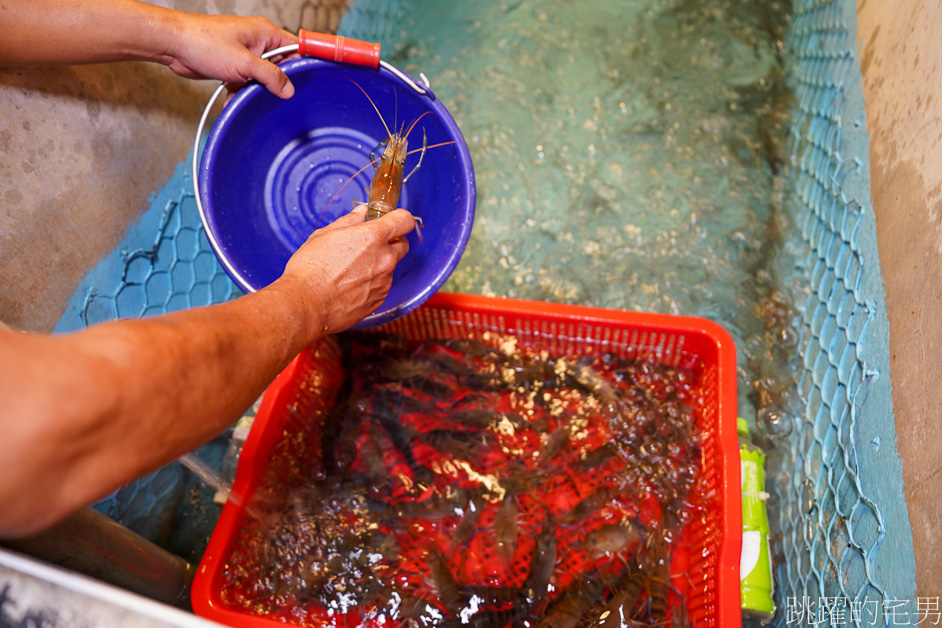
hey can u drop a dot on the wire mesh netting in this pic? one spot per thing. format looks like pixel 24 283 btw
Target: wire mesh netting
pixel 843 559
pixel 177 272
pixel 374 21
pixel 841 538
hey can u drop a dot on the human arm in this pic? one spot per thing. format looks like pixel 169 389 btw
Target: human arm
pixel 84 413
pixel 227 48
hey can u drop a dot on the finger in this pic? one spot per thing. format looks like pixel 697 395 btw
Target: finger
pixel 277 59
pixel 269 75
pixel 395 224
pixel 262 35
pixel 399 246
pixel 279 37
pixel 232 88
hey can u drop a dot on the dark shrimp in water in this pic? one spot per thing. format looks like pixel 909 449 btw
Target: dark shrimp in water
pixel 506 528
pixel 460 444
pixel 574 603
pixel 596 458
pixel 592 380
pixel 445 584
pixel 659 582
pixel 542 564
pixel 625 594
pixel 523 481
pixel 423 376
pixel 587 506
pixel 468 525
pixel 611 539
pixel 555 442
pixel 474 348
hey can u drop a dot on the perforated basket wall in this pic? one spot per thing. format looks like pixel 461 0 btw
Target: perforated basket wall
pixel 706 559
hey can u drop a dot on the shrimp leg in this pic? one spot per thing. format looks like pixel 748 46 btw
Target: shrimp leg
pixel 379 148
pixel 421 156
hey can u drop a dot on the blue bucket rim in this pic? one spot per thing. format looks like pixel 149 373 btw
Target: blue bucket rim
pixel 225 121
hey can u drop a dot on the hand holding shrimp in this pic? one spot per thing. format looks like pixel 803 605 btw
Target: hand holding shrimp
pixel 351 262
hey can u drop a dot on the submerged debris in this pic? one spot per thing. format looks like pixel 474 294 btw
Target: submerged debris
pixel 476 483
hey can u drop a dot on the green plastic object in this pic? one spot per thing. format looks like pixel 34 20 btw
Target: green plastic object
pixel 755 566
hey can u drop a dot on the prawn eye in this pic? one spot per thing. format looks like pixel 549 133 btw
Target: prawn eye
pixel 403 149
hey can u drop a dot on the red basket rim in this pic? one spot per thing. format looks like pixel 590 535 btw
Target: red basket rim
pixel 727 604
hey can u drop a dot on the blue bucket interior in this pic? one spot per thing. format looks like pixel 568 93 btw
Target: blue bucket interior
pixel 273 171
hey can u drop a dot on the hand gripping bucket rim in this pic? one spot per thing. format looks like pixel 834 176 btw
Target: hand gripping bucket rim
pixel 252 248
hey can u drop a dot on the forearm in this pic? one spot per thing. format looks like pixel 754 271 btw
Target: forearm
pixel 45 32
pixel 226 48
pixel 84 413
pixel 89 411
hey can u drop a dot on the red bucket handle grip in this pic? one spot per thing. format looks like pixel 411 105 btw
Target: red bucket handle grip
pixel 336 48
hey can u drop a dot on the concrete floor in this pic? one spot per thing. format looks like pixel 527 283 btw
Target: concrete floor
pixel 82 148
pixel 902 70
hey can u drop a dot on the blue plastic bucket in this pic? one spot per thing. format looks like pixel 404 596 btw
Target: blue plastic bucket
pixel 270 167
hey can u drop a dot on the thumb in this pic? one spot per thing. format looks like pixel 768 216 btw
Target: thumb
pixel 395 224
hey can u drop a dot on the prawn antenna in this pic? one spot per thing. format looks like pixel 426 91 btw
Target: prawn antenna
pixel 419 150
pixel 416 121
pixel 375 108
pixel 395 107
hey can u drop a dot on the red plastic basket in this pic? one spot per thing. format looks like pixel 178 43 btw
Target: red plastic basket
pixel 706 561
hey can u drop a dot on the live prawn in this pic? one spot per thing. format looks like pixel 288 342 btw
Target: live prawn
pixel 389 177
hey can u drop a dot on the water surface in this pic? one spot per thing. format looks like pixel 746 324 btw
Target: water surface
pixel 628 155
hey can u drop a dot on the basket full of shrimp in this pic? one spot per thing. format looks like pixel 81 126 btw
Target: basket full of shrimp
pixel 357 130
pixel 489 462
